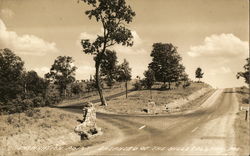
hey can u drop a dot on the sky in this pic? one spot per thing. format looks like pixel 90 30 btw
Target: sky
pixel 211 34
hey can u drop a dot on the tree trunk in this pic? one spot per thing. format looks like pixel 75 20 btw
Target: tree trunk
pixel 65 92
pixel 150 93
pixel 99 88
pixel 126 86
pixel 169 85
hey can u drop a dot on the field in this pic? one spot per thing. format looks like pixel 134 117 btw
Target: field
pixel 241 125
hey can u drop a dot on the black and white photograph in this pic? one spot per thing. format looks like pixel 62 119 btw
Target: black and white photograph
pixel 124 77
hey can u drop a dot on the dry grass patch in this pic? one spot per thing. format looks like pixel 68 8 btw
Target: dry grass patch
pixel 42 131
pixel 242 129
pixel 138 100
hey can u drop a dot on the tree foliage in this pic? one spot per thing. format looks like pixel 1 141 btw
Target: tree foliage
pixel 109 67
pixel 198 73
pixel 124 74
pixel 149 79
pixel 62 72
pixel 34 84
pixel 76 88
pixel 166 63
pixel 11 70
pixel 245 73
pixel 19 90
pixel 113 15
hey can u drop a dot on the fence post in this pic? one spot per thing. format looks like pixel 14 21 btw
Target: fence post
pixel 246 115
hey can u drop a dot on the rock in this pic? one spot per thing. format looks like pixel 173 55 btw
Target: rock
pixel 88 128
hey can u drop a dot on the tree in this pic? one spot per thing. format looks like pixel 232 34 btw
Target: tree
pixel 199 73
pixel 11 70
pixel 165 63
pixel 245 74
pixel 62 73
pixel 113 15
pixel 124 74
pixel 76 88
pixel 108 67
pixel 34 84
pixel 149 80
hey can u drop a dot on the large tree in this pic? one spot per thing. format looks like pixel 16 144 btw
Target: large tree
pixel 113 16
pixel 109 67
pixel 165 63
pixel 198 73
pixel 124 74
pixel 11 78
pixel 245 73
pixel 62 73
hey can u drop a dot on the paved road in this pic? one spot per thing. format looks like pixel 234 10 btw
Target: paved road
pixel 205 131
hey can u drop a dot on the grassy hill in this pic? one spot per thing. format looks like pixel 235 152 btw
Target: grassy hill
pixel 138 100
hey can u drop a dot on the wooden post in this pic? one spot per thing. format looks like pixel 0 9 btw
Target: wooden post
pixel 246 115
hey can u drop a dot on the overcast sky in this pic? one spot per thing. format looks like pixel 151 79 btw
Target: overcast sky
pixel 211 34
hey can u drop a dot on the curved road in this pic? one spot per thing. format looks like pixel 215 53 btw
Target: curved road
pixel 207 130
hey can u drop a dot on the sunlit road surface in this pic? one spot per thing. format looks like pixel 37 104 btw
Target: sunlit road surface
pixel 205 131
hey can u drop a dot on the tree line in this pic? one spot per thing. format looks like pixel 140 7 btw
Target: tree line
pixel 21 90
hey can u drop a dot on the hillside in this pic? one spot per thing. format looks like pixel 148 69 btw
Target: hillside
pixel 138 100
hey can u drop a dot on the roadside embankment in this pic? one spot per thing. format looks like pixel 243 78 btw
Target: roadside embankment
pixel 44 131
pixel 164 101
pixel 241 125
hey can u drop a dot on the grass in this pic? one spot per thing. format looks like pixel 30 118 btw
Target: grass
pixel 43 131
pixel 242 129
pixel 138 100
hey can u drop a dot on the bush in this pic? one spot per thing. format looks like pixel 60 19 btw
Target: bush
pixel 10 120
pixel 38 101
pixel 177 84
pixel 245 100
pixel 187 84
pixel 52 99
pixel 137 85
pixel 31 112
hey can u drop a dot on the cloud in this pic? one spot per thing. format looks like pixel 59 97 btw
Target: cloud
pixel 137 48
pixel 6 13
pixel 220 70
pixel 84 72
pixel 25 44
pixel 86 35
pixel 220 46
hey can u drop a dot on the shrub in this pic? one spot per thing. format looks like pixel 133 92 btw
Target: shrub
pixel 52 99
pixel 245 100
pixel 10 120
pixel 138 85
pixel 31 112
pixel 38 101
pixel 177 84
pixel 187 84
